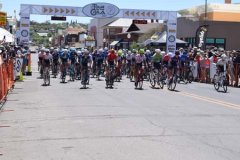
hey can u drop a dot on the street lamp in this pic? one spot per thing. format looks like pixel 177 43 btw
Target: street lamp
pixel 128 36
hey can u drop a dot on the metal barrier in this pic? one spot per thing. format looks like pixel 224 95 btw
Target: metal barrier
pixel 6 78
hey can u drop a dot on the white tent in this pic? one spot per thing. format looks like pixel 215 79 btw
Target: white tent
pixel 8 36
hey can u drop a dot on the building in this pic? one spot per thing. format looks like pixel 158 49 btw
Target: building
pixel 72 36
pixel 95 29
pixel 112 29
pixel 222 21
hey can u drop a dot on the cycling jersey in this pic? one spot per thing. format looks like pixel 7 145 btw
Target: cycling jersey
pixel 47 59
pixel 85 60
pixel 174 61
pixel 111 56
pixel 64 57
pixel 140 58
pixel 157 58
pixel 166 59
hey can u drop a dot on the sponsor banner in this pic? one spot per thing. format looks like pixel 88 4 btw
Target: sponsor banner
pixel 18 66
pixel 3 18
pixel 100 10
pixel 171 36
pixel 140 14
pixel 201 35
pixel 59 10
pixel 24 29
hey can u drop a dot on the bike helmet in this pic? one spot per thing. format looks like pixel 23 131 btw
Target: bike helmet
pixel 134 51
pixel 120 52
pixel 148 52
pixel 170 54
pixel 163 52
pixel 177 53
pixel 223 56
pixel 157 50
pixel 141 51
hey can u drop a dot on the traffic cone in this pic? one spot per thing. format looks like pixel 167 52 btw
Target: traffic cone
pixel 21 76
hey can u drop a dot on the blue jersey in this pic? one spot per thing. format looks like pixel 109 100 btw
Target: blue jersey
pixel 64 57
pixel 184 58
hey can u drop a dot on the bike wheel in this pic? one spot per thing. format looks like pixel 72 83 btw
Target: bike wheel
pixel 224 86
pixel 161 84
pixel 215 83
pixel 172 84
pixel 48 79
pixel 152 79
pixel 190 76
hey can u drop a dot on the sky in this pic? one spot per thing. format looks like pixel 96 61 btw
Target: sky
pixel 172 5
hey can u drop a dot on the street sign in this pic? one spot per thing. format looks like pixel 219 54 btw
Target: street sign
pixel 54 18
pixel 3 18
pixel 139 21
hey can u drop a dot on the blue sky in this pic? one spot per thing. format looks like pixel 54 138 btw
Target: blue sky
pixel 10 5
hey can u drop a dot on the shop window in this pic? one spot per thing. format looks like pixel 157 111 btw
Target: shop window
pixel 220 41
pixel 210 40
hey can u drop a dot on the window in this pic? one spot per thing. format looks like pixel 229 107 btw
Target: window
pixel 220 41
pixel 210 40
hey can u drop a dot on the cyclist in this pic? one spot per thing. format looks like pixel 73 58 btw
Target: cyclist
pixel 129 62
pixel 47 58
pixel 183 63
pixel 157 59
pixel 73 61
pixel 40 62
pixel 140 60
pixel 99 61
pixel 86 62
pixel 174 64
pixel 222 64
pixel 55 57
pixel 64 62
pixel 119 63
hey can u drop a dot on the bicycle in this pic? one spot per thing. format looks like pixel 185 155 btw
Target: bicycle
pixel 139 78
pixel 72 72
pixel 172 81
pixel 85 77
pixel 46 76
pixel 110 77
pixel 55 70
pixel 64 73
pixel 220 80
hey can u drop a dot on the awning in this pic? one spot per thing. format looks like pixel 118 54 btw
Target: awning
pixel 8 36
pixel 114 43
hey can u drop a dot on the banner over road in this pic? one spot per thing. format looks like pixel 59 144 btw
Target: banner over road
pixel 99 10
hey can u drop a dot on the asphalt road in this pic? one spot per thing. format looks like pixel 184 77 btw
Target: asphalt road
pixel 63 122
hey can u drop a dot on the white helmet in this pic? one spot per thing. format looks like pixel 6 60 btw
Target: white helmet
pixel 148 52
pixel 157 50
pixel 163 52
pixel 223 56
pixel 170 54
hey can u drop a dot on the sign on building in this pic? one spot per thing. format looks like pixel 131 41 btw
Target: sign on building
pixel 3 18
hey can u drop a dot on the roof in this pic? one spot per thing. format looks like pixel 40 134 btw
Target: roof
pixel 121 22
pixel 72 30
pixel 211 7
pixel 143 28
pixel 162 39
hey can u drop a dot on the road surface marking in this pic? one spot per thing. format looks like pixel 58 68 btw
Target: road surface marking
pixel 211 100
